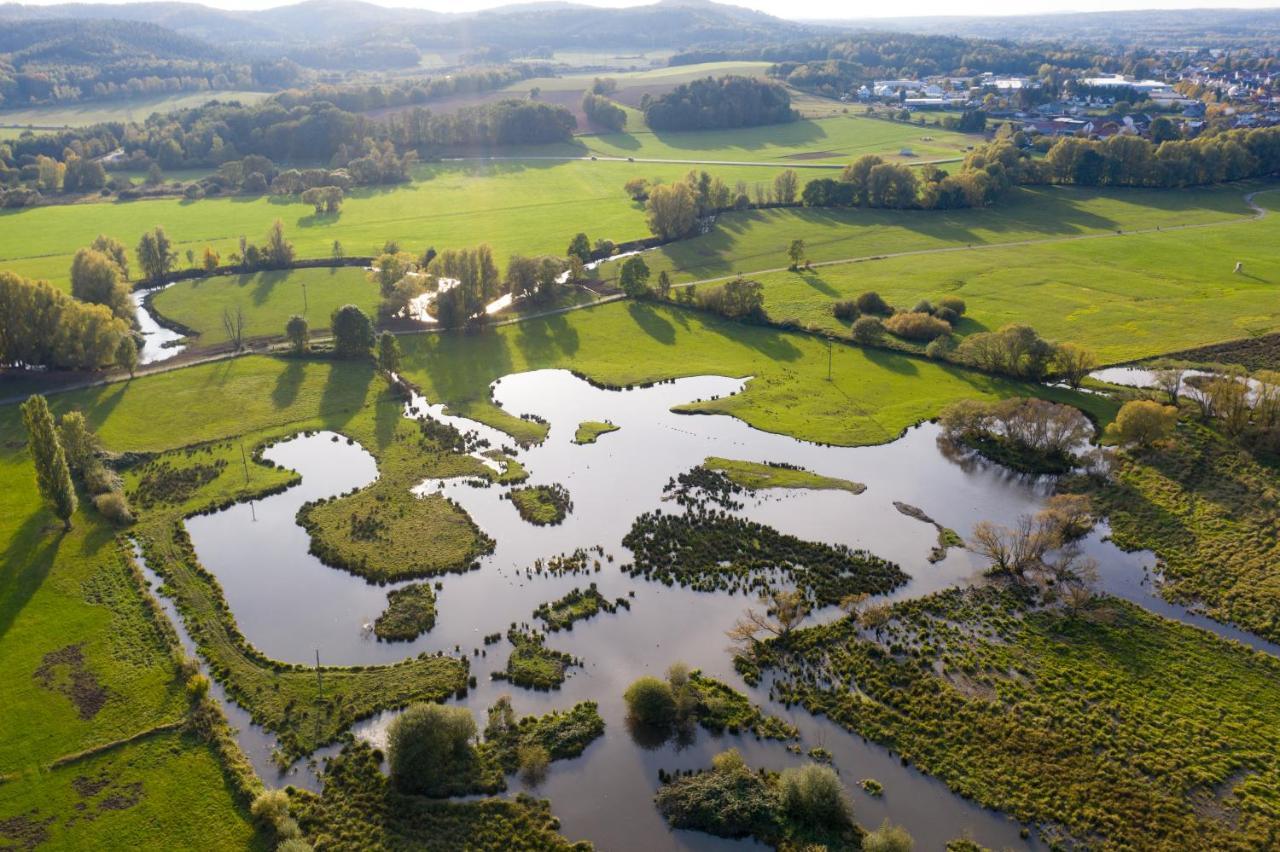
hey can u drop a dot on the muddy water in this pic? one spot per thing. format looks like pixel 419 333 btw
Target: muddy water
pixel 260 557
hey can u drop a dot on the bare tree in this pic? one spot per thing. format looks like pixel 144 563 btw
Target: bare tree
pixel 1169 380
pixel 784 610
pixel 233 324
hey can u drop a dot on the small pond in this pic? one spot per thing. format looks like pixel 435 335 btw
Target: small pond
pixel 289 605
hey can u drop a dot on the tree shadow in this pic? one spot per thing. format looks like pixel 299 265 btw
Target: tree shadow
pixel 288 383
pixel 345 390
pixel 388 411
pixel 27 564
pixel 817 282
pixel 652 323
pixel 892 361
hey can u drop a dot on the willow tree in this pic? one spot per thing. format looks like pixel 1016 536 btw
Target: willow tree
pixel 53 477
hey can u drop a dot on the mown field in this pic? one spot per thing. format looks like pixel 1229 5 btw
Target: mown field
pixel 126 109
pixel 267 299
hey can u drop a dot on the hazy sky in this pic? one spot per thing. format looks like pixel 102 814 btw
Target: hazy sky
pixel 827 8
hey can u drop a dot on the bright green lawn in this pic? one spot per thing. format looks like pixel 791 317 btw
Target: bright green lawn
pixel 528 208
pixel 267 298
pixel 163 792
pixel 875 395
pixel 127 109
pixel 751 241
pixel 1125 298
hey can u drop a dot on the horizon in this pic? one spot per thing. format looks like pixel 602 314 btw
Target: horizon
pixel 801 11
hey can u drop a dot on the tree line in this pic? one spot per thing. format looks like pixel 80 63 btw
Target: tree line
pixel 728 102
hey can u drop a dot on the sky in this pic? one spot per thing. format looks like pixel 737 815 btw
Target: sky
pixel 822 9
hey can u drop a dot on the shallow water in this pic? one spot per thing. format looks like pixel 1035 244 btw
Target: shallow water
pixel 259 555
pixel 159 342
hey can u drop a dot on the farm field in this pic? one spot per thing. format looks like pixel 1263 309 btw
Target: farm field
pixel 268 299
pixel 1125 298
pixel 528 207
pixel 126 109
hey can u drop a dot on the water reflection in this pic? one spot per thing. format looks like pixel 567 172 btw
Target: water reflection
pixel 260 558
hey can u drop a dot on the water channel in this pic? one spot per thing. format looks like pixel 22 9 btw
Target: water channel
pixel 289 605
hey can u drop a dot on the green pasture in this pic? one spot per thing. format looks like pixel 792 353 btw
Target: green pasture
pixel 756 240
pixel 1124 297
pixel 163 792
pixel 124 110
pixel 268 299
pixel 529 207
pixel 873 396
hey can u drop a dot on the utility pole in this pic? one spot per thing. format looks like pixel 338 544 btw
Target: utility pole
pixel 319 681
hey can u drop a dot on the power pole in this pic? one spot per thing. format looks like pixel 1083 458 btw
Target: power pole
pixel 319 681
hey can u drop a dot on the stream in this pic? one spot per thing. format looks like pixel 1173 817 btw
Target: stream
pixel 259 555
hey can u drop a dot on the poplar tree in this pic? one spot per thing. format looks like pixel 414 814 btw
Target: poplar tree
pixel 53 477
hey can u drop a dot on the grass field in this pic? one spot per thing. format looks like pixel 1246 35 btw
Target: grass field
pixel 873 397
pixel 518 207
pixel 268 299
pixel 127 109
pixel 755 240
pixel 158 793
pixel 1126 297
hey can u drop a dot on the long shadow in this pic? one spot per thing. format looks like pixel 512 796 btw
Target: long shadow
pixel 26 565
pixel 264 283
pixel 817 282
pixel 288 383
pixel 387 413
pixel 652 323
pixel 892 361
pixel 345 390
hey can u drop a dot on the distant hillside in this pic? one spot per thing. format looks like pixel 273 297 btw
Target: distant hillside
pixel 670 23
pixel 53 42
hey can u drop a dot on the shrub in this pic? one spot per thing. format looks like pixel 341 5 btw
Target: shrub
pixel 114 507
pixel 651 702
pixel 99 479
pixel 1143 422
pixel 947 315
pixel 426 744
pixel 867 329
pixel 295 844
pixel 888 838
pixel 197 687
pixel 812 795
pixel 534 760
pixel 916 325
pixel 870 302
pixel 924 306
pixel 270 808
pixel 941 348
pixel 846 310
pixel 728 801
pixel 738 299
pixel 952 303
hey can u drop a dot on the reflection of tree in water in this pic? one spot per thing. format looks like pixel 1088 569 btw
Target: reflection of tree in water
pixel 653 737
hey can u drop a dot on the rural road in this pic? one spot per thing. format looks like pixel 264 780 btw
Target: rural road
pixel 1259 212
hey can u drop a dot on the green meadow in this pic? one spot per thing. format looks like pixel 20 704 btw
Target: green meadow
pixel 267 299
pixel 871 398
pixel 1125 297
pixel 125 109
pixel 836 140
pixel 529 207
pixel 755 240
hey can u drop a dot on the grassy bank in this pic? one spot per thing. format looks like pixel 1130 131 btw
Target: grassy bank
pixel 872 397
